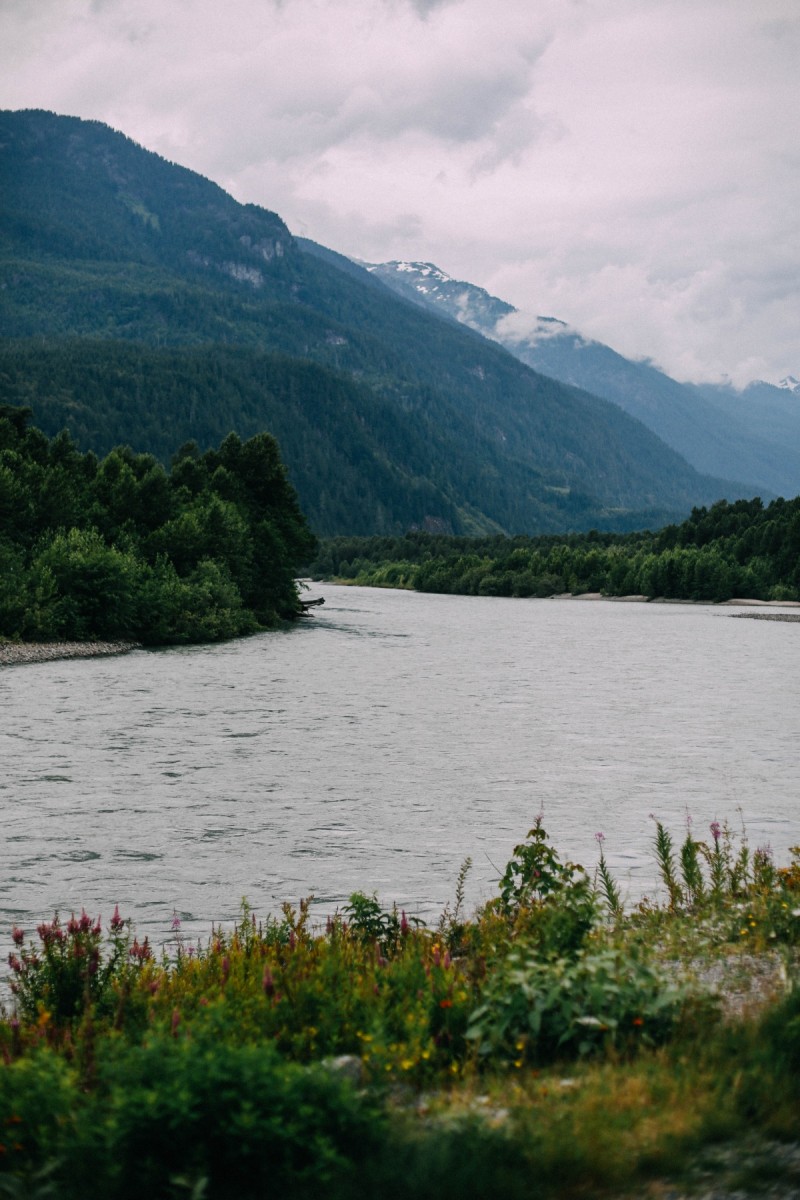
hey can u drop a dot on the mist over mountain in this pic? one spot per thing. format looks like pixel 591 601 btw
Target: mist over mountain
pixel 142 304
pixel 753 435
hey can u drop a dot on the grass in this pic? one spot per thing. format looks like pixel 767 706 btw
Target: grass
pixel 551 1045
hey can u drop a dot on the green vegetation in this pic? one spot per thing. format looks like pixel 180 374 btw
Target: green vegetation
pixel 729 550
pixel 142 305
pixel 551 1045
pixel 121 549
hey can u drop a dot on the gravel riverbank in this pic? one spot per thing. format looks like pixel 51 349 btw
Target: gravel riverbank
pixel 14 654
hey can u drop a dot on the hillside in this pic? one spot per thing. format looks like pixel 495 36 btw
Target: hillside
pixel 142 304
pixel 718 430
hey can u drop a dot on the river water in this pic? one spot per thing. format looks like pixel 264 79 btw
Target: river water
pixel 380 743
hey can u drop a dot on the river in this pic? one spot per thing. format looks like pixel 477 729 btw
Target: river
pixel 381 742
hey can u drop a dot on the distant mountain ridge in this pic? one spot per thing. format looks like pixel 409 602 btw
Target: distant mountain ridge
pixel 140 303
pixel 706 424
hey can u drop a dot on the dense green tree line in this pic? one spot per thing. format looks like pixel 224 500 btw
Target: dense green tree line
pixel 121 548
pixel 728 550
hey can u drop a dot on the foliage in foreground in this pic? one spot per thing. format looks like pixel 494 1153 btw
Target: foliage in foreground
pixel 550 1044
pixel 122 549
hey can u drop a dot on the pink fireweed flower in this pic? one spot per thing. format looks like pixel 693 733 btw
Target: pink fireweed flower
pixel 268 983
pixel 600 838
pixel 117 922
pixel 141 950
pixel 14 963
pixel 404 925
pixel 716 830
pixel 176 922
pixel 17 936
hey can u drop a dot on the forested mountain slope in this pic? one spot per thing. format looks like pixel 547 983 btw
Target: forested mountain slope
pixel 717 430
pixel 139 301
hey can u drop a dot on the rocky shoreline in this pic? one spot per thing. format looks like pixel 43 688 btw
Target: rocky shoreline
pixel 769 616
pixel 14 654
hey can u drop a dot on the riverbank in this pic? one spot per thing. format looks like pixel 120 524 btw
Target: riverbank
pixel 552 1044
pixel 13 654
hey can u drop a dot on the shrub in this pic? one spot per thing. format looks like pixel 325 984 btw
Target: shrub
pixel 544 1009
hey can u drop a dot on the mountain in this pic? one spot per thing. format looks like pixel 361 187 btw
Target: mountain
pixel 715 432
pixel 764 410
pixel 142 304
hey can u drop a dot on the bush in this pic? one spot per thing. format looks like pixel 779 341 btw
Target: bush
pixel 543 1009
pixel 235 1116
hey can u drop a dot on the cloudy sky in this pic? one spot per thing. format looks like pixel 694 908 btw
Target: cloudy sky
pixel 631 166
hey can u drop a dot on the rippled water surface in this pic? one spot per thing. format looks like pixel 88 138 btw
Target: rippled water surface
pixel 381 742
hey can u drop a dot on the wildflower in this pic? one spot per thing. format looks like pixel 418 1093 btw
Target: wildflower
pixel 404 925
pixel 716 831
pixel 140 951
pixel 226 968
pixel 445 1004
pixel 116 921
pixel 176 922
pixel 14 963
pixel 268 983
pixel 600 837
pixel 17 936
pixel 638 1021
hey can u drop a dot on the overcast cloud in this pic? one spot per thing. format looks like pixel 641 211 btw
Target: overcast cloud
pixel 630 166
